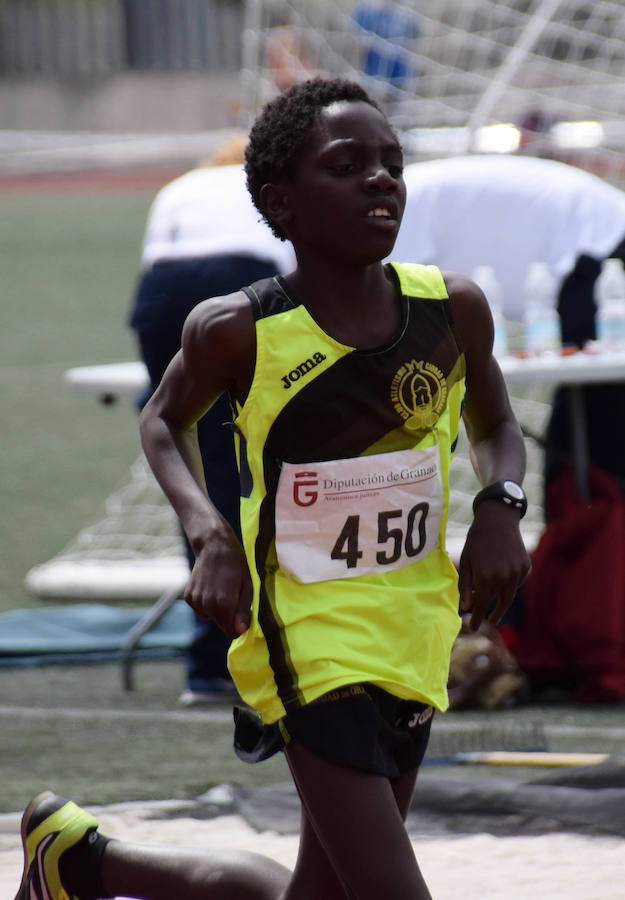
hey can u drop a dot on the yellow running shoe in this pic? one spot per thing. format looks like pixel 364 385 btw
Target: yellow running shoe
pixel 51 825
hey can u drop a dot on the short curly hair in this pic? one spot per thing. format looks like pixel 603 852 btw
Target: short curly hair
pixel 284 126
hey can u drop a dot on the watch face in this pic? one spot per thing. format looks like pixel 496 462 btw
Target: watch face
pixel 514 489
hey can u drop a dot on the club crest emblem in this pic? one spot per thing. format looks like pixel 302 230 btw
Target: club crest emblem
pixel 419 394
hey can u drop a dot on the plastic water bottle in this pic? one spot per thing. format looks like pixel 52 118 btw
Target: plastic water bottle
pixel 610 300
pixel 542 323
pixel 484 277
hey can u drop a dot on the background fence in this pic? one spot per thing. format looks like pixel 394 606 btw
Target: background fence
pixel 90 38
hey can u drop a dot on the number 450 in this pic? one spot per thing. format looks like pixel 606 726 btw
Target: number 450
pixel 346 546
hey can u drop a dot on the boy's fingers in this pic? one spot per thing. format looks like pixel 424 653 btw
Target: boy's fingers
pixel 242 615
pixel 465 588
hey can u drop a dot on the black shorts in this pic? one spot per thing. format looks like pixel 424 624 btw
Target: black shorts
pixel 360 726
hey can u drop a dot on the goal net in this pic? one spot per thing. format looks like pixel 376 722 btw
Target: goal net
pixel 542 76
pixel 133 549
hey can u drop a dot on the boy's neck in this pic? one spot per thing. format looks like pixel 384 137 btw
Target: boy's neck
pixel 356 306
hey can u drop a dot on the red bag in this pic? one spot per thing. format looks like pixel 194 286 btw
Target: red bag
pixel 574 597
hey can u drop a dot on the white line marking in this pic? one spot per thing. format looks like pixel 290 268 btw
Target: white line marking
pixel 68 712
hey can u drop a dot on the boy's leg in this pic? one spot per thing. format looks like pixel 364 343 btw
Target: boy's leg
pixel 314 876
pixel 359 821
pixel 403 789
pixel 64 856
pixel 160 873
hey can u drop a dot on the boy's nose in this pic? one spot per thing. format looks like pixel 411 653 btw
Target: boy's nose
pixel 380 179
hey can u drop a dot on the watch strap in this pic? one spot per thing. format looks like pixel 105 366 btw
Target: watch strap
pixel 506 491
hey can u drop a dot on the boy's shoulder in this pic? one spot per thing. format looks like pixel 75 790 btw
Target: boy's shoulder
pixel 218 317
pixel 418 280
pixel 270 296
pixel 219 337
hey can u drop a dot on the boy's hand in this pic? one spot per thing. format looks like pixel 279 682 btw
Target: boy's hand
pixel 220 587
pixel 493 565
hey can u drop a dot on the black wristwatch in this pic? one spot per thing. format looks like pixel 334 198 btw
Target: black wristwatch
pixel 507 491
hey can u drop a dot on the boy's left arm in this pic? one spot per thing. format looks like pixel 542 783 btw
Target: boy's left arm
pixel 494 562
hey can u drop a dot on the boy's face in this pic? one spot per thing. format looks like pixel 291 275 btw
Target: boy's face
pixel 347 195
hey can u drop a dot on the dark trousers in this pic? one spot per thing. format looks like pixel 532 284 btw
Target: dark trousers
pixel 164 297
pixel 605 403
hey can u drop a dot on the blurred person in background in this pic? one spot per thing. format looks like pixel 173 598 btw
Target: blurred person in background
pixel 536 138
pixel 507 212
pixel 203 238
pixel 388 33
pixel 288 59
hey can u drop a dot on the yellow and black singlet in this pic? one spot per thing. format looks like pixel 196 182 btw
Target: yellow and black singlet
pixel 344 461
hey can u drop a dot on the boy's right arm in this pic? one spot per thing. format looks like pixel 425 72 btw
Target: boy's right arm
pixel 494 561
pixel 217 355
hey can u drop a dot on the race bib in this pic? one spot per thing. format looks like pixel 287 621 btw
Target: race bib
pixel 350 517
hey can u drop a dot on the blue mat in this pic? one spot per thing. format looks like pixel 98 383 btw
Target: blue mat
pixel 88 632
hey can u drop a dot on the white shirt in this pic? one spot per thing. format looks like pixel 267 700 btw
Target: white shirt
pixel 209 212
pixel 507 212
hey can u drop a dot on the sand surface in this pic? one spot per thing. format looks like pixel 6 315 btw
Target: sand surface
pixel 554 866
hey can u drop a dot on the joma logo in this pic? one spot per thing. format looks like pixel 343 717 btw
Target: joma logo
pixel 302 369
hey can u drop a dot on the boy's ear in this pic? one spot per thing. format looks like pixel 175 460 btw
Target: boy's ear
pixel 274 200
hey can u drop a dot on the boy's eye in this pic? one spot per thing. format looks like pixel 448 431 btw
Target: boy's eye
pixel 395 171
pixel 342 168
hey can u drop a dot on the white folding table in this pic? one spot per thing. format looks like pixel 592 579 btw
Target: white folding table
pixel 572 372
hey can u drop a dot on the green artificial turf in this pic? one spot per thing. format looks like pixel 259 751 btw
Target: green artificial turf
pixel 68 264
pixel 74 729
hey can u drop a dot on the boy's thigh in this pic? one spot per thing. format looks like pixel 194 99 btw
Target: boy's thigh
pixel 359 824
pixel 314 876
